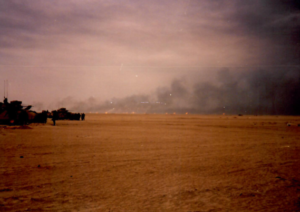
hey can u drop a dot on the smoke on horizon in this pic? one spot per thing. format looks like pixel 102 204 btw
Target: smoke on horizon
pixel 272 91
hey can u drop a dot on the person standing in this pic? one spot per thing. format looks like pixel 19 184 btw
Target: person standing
pixel 54 117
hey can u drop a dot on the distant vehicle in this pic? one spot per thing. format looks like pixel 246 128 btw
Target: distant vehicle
pixel 64 114
pixel 16 114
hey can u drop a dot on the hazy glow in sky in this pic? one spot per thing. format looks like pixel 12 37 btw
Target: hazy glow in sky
pixel 50 50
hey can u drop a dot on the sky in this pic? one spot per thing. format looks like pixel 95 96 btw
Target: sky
pixel 199 56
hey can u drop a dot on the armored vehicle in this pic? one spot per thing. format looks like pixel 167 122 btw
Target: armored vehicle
pixel 16 114
pixel 64 114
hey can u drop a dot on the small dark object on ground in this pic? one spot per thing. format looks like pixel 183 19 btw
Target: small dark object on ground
pixel 39 166
pixel 240 115
pixel 281 178
pixel 21 156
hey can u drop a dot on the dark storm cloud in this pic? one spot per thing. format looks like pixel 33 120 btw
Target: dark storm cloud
pixel 275 24
pixel 278 20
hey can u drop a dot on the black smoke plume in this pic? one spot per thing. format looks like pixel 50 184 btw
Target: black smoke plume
pixel 263 91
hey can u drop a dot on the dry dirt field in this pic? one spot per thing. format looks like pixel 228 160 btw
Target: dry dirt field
pixel 184 163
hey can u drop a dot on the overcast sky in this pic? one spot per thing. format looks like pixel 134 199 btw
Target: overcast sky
pixel 106 49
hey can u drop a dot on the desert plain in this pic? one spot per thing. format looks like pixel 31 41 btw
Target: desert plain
pixel 132 162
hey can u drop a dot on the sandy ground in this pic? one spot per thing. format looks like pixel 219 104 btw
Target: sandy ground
pixel 152 163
